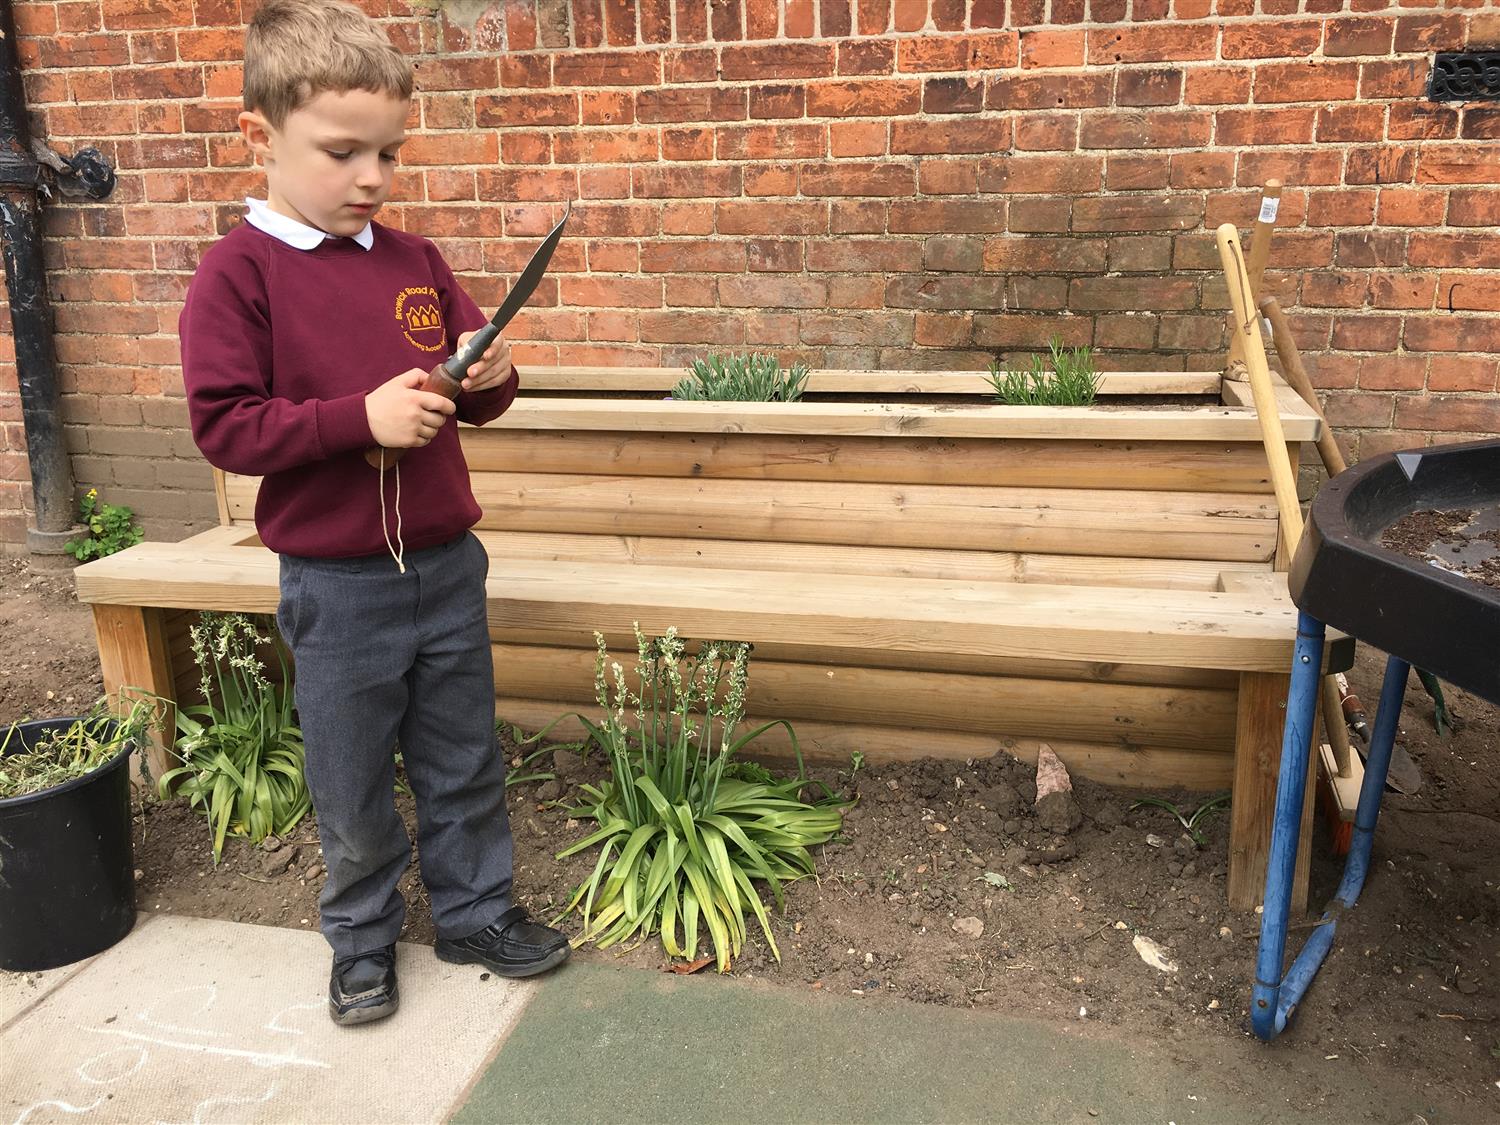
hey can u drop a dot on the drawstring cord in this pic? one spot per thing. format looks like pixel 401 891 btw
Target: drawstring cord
pixel 399 550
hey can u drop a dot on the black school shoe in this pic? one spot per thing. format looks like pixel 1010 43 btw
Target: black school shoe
pixel 362 988
pixel 511 946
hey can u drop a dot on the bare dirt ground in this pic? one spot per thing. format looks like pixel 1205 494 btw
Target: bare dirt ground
pixel 947 889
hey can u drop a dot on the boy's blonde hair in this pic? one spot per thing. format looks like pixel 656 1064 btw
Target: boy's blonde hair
pixel 296 49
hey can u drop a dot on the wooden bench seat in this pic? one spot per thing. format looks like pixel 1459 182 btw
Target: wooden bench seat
pixel 920 575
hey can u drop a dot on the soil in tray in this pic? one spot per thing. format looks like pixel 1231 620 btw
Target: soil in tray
pixel 1459 540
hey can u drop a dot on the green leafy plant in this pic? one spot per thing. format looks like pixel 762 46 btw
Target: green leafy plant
pixel 1189 821
pixel 684 827
pixel 741 378
pixel 86 744
pixel 1064 377
pixel 111 528
pixel 241 750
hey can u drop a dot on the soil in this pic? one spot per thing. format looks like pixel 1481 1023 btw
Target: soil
pixel 1463 541
pixel 947 888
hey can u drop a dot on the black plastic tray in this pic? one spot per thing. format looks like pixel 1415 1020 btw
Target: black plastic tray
pixel 1433 617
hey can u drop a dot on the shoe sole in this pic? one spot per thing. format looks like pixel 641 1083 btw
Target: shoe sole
pixel 355 1016
pixel 515 972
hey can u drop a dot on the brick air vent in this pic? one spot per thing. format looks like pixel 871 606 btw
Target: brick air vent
pixel 1465 76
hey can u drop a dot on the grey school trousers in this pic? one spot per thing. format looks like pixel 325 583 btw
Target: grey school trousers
pixel 380 658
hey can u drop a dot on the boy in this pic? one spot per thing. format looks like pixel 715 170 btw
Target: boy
pixel 293 332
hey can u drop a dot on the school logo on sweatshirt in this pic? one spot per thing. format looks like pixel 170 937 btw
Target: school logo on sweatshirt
pixel 421 318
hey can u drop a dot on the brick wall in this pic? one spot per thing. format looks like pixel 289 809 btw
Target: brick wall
pixel 915 183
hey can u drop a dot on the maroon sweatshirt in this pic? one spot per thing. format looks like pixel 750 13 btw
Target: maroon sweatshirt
pixel 280 347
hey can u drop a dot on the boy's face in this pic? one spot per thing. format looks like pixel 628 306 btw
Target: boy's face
pixel 331 163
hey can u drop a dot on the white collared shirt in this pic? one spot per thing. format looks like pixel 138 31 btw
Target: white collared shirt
pixel 293 233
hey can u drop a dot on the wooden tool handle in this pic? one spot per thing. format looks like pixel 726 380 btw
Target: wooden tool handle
pixel 1296 375
pixel 439 382
pixel 1260 252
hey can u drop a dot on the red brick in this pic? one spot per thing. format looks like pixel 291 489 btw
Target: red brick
pixel 1351 123
pixel 946 216
pixel 1386 372
pixel 866 57
pixel 1481 123
pixel 1041 254
pixel 1334 289
pixel 1272 39
pixel 1403 290
pixel 1180 42
pixel 865 256
pixel 609 68
pixel 1031 331
pixel 1448 415
pixel 1446 332
pixel 83 50
pixel 778 102
pixel 692 21
pixel 1388 164
pixel 134 14
pixel 1360 248
pixel 692 256
pixel 685 183
pixel 1468 208
pixel 785 218
pixel 1470 292
pixel 610 146
pixel 859 138
pixel 1218 85
pixel 953 95
pixel 724 22
pixel 873 17
pixel 1146 130
pixel 606 107
pixel 1030 175
pixel 1136 171
pixel 217 45
pixel 1367 334
pixel 1140 253
pixel 873 98
pixel 1306 82
pixel 959 52
pixel 510 110
pixel 858 179
pixel 1136 213
pixel 948 177
pixel 1403 78
pixel 1049 91
pixel 953 135
pixel 1462 373
pixel 1458 164
pixel 1244 128
pixel 1304 166
pixel 447 148
pixel 1430 33
pixel 1047 132
pixel 1366 409
pixel 1202 170
pixel 1355 35
pixel 766 142
pixel 1422 121
pixel 1447 251
pixel 1412 207
pixel 1340 208
pixel 761 22
pixel 1149 87
pixel 687 103
pixel 1051 48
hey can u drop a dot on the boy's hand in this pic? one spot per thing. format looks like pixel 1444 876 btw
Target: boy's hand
pixel 403 416
pixel 490 369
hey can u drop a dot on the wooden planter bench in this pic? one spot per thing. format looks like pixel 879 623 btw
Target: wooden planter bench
pixel 921 573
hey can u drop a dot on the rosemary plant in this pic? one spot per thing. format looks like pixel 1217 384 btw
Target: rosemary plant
pixel 1065 377
pixel 685 829
pixel 741 378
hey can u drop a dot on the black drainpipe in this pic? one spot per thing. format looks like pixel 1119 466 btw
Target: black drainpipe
pixel 22 180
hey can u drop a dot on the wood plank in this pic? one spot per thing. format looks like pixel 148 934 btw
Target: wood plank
pixel 820 558
pixel 833 743
pixel 1068 423
pixel 1299 420
pixel 826 381
pixel 1166 627
pixel 1058 521
pixel 1115 714
pixel 134 659
pixel 1161 466
pixel 1257 764
pixel 963 663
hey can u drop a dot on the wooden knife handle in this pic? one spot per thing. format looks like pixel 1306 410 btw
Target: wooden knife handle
pixel 439 382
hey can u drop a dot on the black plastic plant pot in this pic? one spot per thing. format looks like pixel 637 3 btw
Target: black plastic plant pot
pixel 67 885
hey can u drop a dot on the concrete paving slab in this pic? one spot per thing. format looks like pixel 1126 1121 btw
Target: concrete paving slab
pixel 198 1020
pixel 612 1046
pixel 20 991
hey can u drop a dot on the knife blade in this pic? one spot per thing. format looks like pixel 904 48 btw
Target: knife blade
pixel 447 377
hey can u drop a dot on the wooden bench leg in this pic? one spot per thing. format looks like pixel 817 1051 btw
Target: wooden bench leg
pixel 1257 760
pixel 133 653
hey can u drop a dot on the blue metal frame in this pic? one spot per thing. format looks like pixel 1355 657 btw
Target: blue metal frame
pixel 1276 996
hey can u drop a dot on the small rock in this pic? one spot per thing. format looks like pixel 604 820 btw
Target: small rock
pixel 569 765
pixel 1214 1005
pixel 271 844
pixel 1058 812
pixel 139 874
pixel 969 927
pixel 276 862
pixel 1153 840
pixel 550 790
